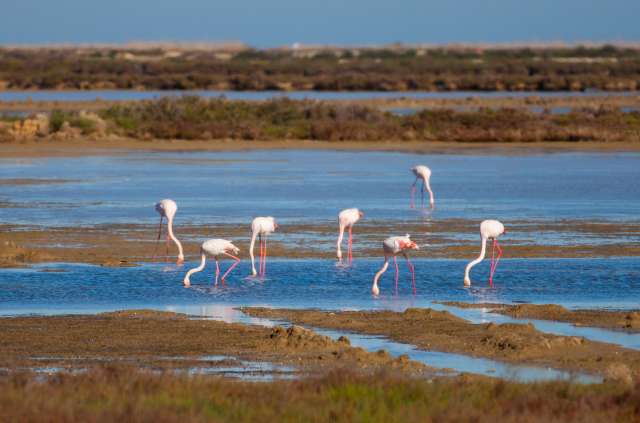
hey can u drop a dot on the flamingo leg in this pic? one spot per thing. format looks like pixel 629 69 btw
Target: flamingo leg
pixel 349 253
pixel 167 249
pixel 396 261
pixel 264 266
pixel 412 277
pixel 260 239
pixel 217 270
pixel 412 189
pixel 493 268
pixel 422 185
pixel 234 265
pixel 159 233
pixel 493 252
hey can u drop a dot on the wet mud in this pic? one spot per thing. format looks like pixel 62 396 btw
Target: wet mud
pixel 152 339
pixel 441 331
pixel 127 244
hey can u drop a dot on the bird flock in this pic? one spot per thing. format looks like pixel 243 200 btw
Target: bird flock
pixel 489 229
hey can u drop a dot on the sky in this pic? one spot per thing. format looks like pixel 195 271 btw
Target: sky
pixel 271 23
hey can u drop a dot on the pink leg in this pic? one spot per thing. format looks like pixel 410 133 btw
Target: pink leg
pixel 234 265
pixel 217 270
pixel 264 266
pixel 412 189
pixel 493 252
pixel 424 182
pixel 260 239
pixel 493 268
pixel 396 261
pixel 349 254
pixel 159 233
pixel 412 277
pixel 167 249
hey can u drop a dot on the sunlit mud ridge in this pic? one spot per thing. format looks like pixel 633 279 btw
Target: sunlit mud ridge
pixel 437 238
pixel 441 331
pixel 628 321
pixel 153 340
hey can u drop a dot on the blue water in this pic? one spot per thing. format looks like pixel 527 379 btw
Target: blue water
pixel 262 95
pixel 304 185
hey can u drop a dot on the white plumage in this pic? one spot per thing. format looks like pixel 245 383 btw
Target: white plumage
pixel 424 173
pixel 489 229
pixel 213 248
pixel 394 245
pixel 261 226
pixel 347 218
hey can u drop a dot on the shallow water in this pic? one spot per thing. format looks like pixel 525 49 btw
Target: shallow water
pixel 262 95
pixel 300 185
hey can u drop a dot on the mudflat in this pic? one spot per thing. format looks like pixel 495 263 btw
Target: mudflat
pixel 441 331
pixel 148 339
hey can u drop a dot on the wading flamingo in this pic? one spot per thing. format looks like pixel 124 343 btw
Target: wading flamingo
pixel 168 208
pixel 394 245
pixel 424 173
pixel 489 229
pixel 347 218
pixel 213 248
pixel 259 226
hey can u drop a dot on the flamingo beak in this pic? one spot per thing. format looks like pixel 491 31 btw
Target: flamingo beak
pixel 504 231
pixel 179 262
pixel 275 225
pixel 415 246
pixel 413 168
pixel 360 214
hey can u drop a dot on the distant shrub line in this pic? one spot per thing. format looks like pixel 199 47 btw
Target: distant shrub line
pixel 616 69
pixel 193 117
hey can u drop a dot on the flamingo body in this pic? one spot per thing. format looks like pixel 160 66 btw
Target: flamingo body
pixel 168 208
pixel 213 248
pixel 261 226
pixel 489 229
pixel 424 173
pixel 394 245
pixel 346 219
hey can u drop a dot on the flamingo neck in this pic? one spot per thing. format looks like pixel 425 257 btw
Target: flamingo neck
pixel 478 260
pixel 384 268
pixel 253 242
pixel 173 237
pixel 430 192
pixel 340 239
pixel 197 269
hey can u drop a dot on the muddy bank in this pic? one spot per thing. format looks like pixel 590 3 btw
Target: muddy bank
pixel 441 331
pixel 627 321
pixel 124 244
pixel 152 339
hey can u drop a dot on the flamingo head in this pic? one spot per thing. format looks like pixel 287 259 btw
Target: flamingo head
pixel 408 244
pixel 233 248
pixel 275 225
pixel 359 214
pixel 504 231
pixel 412 169
pixel 180 260
pixel 375 290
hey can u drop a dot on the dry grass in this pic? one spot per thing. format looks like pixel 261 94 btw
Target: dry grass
pixel 116 394
pixel 193 117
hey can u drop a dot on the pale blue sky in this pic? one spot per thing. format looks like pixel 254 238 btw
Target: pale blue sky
pixel 264 23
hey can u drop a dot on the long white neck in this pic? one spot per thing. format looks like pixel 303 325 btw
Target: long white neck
pixel 429 189
pixel 253 241
pixel 187 282
pixel 340 240
pixel 375 289
pixel 467 281
pixel 173 237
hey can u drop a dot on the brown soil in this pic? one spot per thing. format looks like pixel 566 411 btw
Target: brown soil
pixel 470 305
pixel 125 244
pixel 628 321
pixel 432 330
pixel 154 339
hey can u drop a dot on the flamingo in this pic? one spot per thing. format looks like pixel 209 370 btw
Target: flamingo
pixel 259 226
pixel 394 245
pixel 424 173
pixel 347 218
pixel 168 208
pixel 214 247
pixel 489 229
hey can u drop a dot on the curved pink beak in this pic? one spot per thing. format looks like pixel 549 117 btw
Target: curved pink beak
pixel 275 225
pixel 360 214
pixel 504 232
